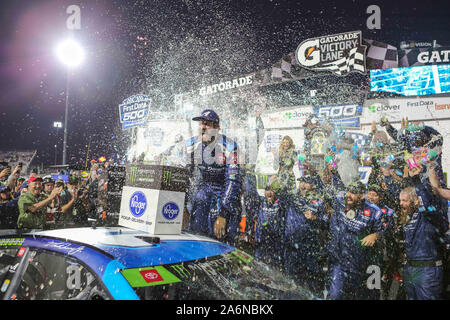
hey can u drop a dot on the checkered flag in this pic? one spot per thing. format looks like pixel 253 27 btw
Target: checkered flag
pixel 380 55
pixel 288 69
pixel 360 139
pixel 354 62
pixel 408 57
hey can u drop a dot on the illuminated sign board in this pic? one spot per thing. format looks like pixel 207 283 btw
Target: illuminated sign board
pixel 412 81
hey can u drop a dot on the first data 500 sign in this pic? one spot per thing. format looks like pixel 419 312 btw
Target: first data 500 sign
pixel 134 111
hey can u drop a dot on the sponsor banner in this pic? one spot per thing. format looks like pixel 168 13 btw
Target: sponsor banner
pixel 413 109
pixel 412 81
pixel 152 211
pixel 422 57
pixel 165 116
pixel 226 85
pixel 134 111
pixel 156 177
pixel 411 44
pixel 149 276
pixel 338 53
pixel 346 116
pixel 287 118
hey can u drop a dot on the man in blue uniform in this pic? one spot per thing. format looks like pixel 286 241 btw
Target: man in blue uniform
pixel 387 243
pixel 354 228
pixel 306 222
pixel 266 219
pixel 213 199
pixel 424 229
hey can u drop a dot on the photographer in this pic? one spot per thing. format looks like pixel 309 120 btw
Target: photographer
pixel 72 204
pixel 7 177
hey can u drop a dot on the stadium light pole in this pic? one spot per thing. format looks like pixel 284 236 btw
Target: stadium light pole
pixel 56 125
pixel 71 54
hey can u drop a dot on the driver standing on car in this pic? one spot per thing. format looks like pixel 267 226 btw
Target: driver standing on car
pixel 214 193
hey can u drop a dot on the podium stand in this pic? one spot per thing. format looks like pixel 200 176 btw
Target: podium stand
pixel 153 198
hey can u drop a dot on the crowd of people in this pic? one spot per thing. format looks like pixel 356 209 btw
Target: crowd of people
pixel 43 202
pixel 342 240
pixel 336 236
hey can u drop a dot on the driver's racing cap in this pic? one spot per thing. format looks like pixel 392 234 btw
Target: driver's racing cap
pixel 207 114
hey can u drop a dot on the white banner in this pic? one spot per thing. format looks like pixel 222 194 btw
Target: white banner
pixel 422 109
pixel 286 118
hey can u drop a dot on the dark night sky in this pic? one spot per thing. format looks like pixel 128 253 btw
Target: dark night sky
pixel 189 43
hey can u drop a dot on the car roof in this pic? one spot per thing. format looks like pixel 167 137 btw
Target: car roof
pixel 116 236
pixel 134 248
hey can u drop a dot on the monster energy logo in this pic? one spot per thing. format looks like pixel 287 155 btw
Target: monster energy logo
pixel 261 181
pixel 167 176
pixel 133 174
pixel 181 270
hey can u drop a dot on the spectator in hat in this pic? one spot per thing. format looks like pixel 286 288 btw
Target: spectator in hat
pixel 214 193
pixel 53 207
pixel 33 205
pixel 354 227
pixel 19 183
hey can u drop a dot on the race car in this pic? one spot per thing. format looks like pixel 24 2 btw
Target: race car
pixel 125 264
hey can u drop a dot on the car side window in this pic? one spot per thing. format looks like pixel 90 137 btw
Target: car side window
pixel 50 276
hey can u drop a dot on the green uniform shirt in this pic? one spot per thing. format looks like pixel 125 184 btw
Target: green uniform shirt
pixel 28 219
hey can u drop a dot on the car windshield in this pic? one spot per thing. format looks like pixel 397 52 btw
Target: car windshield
pixel 231 276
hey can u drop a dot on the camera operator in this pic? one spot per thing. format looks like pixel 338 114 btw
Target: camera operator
pixel 72 204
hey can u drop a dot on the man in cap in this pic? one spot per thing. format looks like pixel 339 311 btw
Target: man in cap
pixel 33 205
pixel 306 224
pixel 72 207
pixel 52 208
pixel 266 218
pixel 388 243
pixel 214 197
pixel 354 227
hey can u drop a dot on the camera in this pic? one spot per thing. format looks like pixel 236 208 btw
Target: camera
pixel 80 191
pixel 384 122
pixel 59 184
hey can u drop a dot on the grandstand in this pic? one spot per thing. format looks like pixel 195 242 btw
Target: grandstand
pixel 13 157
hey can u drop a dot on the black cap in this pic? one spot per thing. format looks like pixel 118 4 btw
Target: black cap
pixel 375 187
pixel 307 179
pixel 73 180
pixel 207 114
pixel 356 187
pixel 4 188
